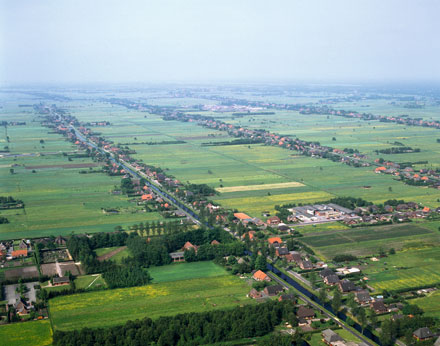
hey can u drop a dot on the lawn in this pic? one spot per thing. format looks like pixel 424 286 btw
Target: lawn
pixel 185 271
pixel 33 333
pixel 113 307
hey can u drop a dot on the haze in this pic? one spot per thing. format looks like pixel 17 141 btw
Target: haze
pixel 228 40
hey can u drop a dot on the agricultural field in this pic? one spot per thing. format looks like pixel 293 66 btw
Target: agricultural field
pixel 186 271
pixel 34 333
pixel 58 200
pixel 430 304
pixel 112 307
pixel 406 269
pixel 365 241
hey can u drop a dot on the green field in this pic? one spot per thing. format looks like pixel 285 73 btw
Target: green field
pixel 112 307
pixel 33 333
pixel 185 271
pixel 405 269
pixel 364 241
pixel 430 304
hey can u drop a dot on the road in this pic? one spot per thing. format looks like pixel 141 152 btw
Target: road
pixel 135 173
pixel 319 307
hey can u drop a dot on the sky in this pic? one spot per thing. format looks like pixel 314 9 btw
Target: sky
pixel 111 41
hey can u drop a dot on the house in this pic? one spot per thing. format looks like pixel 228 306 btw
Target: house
pixel 215 242
pixel 306 265
pixel 423 334
pixel 60 240
pixel 23 245
pixel 330 337
pixel 22 308
pixel 331 279
pixel 261 276
pixel 287 296
pixel 326 272
pixel 189 246
pixel 283 227
pixel 305 312
pixel 362 297
pixel 273 221
pixel 178 256
pixel 378 306
pixel 273 290
pixel 346 286
pixel 59 281
pixel 275 240
pixel 19 253
pixel 282 251
pixel 255 294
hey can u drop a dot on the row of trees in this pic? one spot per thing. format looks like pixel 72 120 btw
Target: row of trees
pixel 186 329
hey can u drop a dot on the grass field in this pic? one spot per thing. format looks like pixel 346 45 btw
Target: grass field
pixel 430 304
pixel 185 271
pixel 112 307
pixel 405 269
pixel 258 187
pixel 34 333
pixel 369 240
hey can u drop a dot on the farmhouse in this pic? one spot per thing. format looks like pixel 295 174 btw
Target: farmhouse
pixel 19 253
pixel 378 306
pixel 346 286
pixel 275 240
pixel 330 337
pixel 331 280
pixel 59 281
pixel 60 240
pixel 261 276
pixel 273 221
pixel 189 246
pixel 282 251
pixel 326 272
pixel 255 294
pixel 305 312
pixel 273 290
pixel 287 296
pixel 22 308
pixel 422 334
pixel 306 264
pixel 362 297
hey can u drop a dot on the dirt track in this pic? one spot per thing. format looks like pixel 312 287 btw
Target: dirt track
pixel 111 253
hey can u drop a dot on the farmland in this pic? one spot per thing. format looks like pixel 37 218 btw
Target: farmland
pixel 112 307
pixel 35 333
pixel 405 269
pixel 430 304
pixel 185 271
pixel 369 240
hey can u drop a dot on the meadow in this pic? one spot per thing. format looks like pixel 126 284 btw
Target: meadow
pixel 186 271
pixel 33 333
pixel 364 241
pixel 113 307
pixel 404 270
pixel 58 199
pixel 430 304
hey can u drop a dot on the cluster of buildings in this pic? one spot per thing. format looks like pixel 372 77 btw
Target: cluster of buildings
pixel 10 251
pixel 320 213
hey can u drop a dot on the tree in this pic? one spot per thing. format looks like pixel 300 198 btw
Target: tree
pixel 337 301
pixel 322 296
pixel 261 263
pixel 362 318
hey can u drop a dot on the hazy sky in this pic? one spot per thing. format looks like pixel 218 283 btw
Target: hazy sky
pixel 224 40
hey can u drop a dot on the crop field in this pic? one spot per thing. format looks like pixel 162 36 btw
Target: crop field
pixel 112 307
pixel 430 304
pixel 368 240
pixel 186 271
pixel 258 187
pixel 405 269
pixel 34 333
pixel 58 199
